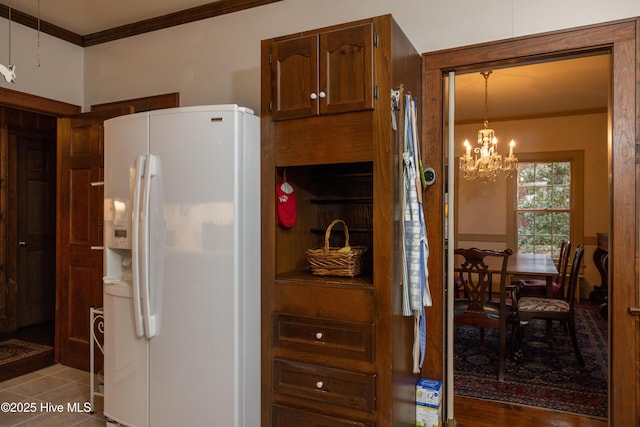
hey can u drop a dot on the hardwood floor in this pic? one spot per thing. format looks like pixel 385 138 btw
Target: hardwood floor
pixel 481 413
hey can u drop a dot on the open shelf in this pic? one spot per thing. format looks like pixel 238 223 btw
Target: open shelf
pixel 304 276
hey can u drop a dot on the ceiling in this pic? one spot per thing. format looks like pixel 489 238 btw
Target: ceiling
pixel 574 85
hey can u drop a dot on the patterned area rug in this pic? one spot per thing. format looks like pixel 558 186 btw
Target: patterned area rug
pixel 547 375
pixel 13 350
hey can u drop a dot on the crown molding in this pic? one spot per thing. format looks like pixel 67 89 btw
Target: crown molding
pixel 186 16
pixel 45 27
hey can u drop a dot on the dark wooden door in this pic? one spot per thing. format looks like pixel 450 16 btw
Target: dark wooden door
pixel 346 69
pixel 36 226
pixel 294 78
pixel 79 231
pixel 79 223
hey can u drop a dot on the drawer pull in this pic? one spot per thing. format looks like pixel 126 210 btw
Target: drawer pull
pixel 319 335
pixel 319 385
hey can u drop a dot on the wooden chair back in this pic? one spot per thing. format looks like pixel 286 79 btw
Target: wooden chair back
pixel 563 264
pixel 476 309
pixel 529 308
pixel 574 276
pixel 474 275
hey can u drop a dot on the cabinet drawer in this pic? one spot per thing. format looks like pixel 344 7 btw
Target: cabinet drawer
pixel 282 416
pixel 320 383
pixel 354 340
pixel 325 300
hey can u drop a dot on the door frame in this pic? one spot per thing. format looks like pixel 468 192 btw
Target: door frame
pixel 20 101
pixel 622 40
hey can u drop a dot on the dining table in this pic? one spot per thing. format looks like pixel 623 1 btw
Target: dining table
pixel 526 265
pixel 533 266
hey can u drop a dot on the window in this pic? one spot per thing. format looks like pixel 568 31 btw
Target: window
pixel 543 206
pixel 546 202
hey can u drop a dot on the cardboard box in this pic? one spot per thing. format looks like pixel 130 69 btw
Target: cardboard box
pixel 427 416
pixel 429 393
pixel 428 403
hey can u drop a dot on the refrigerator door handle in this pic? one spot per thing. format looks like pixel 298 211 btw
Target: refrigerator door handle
pixel 138 171
pixel 149 319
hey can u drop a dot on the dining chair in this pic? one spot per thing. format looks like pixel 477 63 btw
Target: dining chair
pixel 538 287
pixel 562 309
pixel 475 308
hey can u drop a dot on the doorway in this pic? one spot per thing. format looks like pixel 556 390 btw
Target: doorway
pixel 563 126
pixel 28 240
pixel 621 40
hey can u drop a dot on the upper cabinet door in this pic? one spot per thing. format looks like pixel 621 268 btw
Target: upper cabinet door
pixel 326 73
pixel 346 69
pixel 294 78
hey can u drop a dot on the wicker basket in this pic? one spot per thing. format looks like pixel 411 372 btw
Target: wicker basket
pixel 329 261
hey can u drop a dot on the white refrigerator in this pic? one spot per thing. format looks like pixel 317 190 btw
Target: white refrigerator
pixel 182 268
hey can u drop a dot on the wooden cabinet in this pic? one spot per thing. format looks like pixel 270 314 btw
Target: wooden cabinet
pixel 324 73
pixel 336 351
pixel 290 417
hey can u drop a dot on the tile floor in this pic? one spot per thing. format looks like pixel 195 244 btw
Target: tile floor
pixel 54 396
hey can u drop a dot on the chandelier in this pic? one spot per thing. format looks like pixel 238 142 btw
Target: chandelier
pixel 487 164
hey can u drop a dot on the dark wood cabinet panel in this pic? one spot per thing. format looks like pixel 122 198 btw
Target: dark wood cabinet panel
pixel 294 77
pixel 323 73
pixel 317 335
pixel 283 416
pixel 346 69
pixel 315 382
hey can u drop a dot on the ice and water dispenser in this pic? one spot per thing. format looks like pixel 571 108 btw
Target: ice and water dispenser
pixel 117 241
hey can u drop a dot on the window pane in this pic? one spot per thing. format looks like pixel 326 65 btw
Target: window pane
pixel 544 173
pixel 526 197
pixel 561 173
pixel 543 195
pixel 561 224
pixel 543 223
pixel 561 197
pixel 525 223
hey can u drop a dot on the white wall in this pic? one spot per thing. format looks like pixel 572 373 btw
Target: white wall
pixel 482 208
pixel 60 75
pixel 217 60
pixel 586 132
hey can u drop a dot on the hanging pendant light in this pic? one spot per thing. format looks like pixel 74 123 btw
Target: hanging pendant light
pixel 487 164
pixel 9 71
